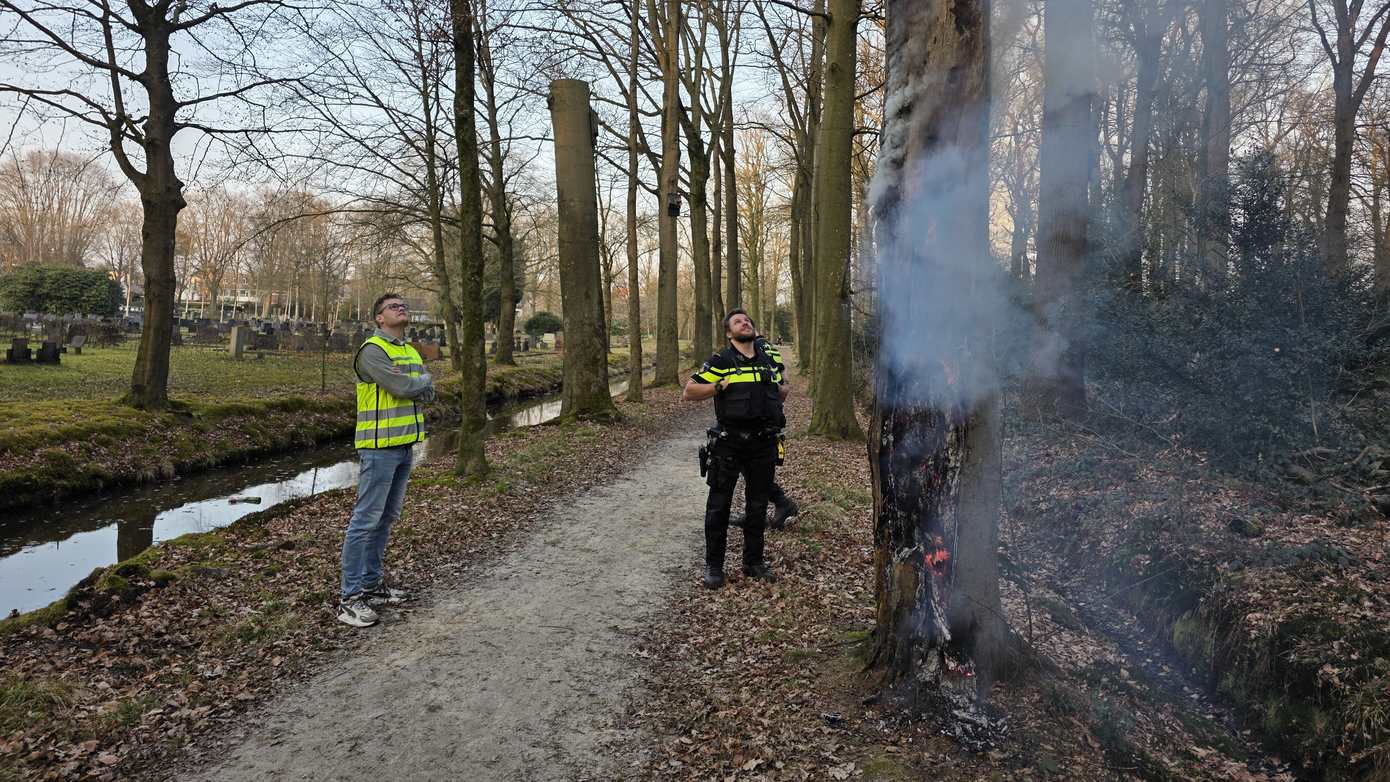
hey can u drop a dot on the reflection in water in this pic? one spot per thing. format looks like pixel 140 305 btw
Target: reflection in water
pixel 45 550
pixel 132 537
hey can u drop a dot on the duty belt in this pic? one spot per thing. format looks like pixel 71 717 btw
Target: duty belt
pixel 743 435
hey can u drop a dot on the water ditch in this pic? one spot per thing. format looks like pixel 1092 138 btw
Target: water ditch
pixel 45 550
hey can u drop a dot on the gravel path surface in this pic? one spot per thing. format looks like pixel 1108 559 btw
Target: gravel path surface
pixel 518 674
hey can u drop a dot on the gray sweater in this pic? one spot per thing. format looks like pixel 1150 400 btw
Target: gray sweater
pixel 374 366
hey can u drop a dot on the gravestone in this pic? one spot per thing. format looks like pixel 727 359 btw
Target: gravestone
pixel 207 334
pixel 548 340
pixel 48 354
pixel 77 343
pixel 18 352
pixel 239 341
pixel 427 350
pixel 338 342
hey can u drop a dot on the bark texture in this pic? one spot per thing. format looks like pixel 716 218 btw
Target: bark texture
pixel 935 450
pixel 161 195
pixel 472 461
pixel 499 205
pixel 634 125
pixel 833 412
pixel 585 391
pixel 667 345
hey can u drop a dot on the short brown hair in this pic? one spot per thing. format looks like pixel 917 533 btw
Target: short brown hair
pixel 382 299
pixel 737 311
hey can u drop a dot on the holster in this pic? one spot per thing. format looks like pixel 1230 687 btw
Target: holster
pixel 704 461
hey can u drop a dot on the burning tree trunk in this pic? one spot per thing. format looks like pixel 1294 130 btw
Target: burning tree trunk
pixel 935 447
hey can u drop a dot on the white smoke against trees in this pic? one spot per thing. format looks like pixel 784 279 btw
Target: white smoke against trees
pixel 947 309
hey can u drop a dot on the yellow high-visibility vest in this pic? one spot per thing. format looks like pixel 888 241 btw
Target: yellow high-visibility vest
pixel 384 420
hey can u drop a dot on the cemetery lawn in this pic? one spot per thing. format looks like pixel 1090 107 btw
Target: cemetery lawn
pixel 210 373
pixel 62 432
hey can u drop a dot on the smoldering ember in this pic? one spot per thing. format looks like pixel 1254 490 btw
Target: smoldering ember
pixel 740 390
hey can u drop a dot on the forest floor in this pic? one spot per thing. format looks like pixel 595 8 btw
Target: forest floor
pixel 564 635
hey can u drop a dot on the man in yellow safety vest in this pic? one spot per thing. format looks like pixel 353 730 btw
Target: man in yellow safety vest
pixel 392 387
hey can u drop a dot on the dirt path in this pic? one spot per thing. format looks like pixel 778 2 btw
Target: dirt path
pixel 518 674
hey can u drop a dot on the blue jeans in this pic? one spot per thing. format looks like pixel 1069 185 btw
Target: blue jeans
pixel 380 492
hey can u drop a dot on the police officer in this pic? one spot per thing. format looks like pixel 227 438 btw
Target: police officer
pixel 748 391
pixel 783 507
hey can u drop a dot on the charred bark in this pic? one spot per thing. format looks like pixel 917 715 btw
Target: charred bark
pixel 934 453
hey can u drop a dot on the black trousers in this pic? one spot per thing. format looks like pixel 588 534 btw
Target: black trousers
pixel 756 461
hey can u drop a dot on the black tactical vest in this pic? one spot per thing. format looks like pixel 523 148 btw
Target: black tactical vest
pixel 750 399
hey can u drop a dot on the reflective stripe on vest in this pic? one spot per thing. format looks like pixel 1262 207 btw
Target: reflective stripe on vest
pixel 383 420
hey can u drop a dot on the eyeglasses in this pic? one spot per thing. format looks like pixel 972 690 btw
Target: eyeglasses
pixel 399 307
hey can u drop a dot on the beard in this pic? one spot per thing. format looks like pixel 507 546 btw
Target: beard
pixel 745 339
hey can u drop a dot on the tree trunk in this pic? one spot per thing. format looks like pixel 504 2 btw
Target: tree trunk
pixel 1058 373
pixel 716 276
pixel 1376 162
pixel 472 461
pixel 634 305
pixel 1336 259
pixel 833 412
pixel 798 218
pixel 806 352
pixel 936 451
pixel 703 335
pixel 1148 47
pixel 161 195
pixel 585 392
pixel 667 344
pixel 506 247
pixel 1214 215
pixel 435 197
pixel 733 266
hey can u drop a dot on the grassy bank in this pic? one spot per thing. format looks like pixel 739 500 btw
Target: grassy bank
pixel 51 448
pixel 181 639
pixel 1277 602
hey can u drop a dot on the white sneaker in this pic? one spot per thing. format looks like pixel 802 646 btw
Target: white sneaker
pixel 355 611
pixel 384 595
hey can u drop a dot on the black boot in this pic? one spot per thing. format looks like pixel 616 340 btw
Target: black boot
pixel 714 576
pixel 784 511
pixel 760 571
